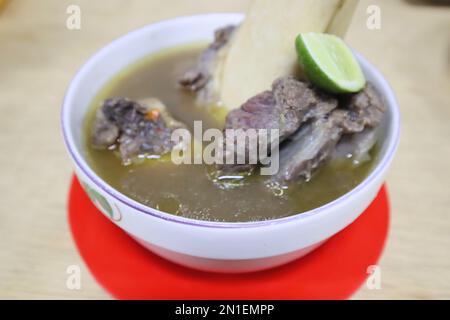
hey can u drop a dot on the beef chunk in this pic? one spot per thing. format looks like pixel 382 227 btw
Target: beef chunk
pixel 366 107
pixel 348 121
pixel 135 129
pixel 310 123
pixel 289 104
pixel 259 112
pixel 315 142
pixel 105 132
pixel 300 101
pixel 285 107
pixel 200 75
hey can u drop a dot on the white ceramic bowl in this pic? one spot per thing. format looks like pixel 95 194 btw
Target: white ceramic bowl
pixel 212 246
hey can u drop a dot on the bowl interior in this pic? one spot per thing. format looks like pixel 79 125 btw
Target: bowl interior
pixel 125 51
pixel 153 38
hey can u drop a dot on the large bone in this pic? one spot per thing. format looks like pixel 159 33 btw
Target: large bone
pixel 342 18
pixel 263 47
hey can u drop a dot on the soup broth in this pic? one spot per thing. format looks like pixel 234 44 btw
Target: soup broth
pixel 189 190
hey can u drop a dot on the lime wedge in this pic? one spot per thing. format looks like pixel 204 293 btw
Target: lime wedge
pixel 329 63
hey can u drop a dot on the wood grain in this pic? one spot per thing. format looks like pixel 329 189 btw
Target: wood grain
pixel 39 56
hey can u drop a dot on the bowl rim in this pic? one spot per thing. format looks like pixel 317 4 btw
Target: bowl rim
pixel 80 160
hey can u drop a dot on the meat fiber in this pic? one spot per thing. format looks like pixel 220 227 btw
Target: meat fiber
pixel 285 107
pixel 316 141
pixel 200 78
pixel 135 129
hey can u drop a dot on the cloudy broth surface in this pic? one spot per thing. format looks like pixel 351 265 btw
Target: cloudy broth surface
pixel 188 190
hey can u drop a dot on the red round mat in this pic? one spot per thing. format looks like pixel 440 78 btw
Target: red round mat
pixel 128 271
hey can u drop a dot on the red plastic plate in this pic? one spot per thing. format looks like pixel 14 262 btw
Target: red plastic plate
pixel 128 271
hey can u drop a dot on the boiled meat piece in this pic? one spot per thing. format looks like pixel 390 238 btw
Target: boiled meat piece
pixel 315 142
pixel 136 130
pixel 201 77
pixel 289 104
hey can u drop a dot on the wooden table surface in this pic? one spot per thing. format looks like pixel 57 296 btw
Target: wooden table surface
pixel 39 56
